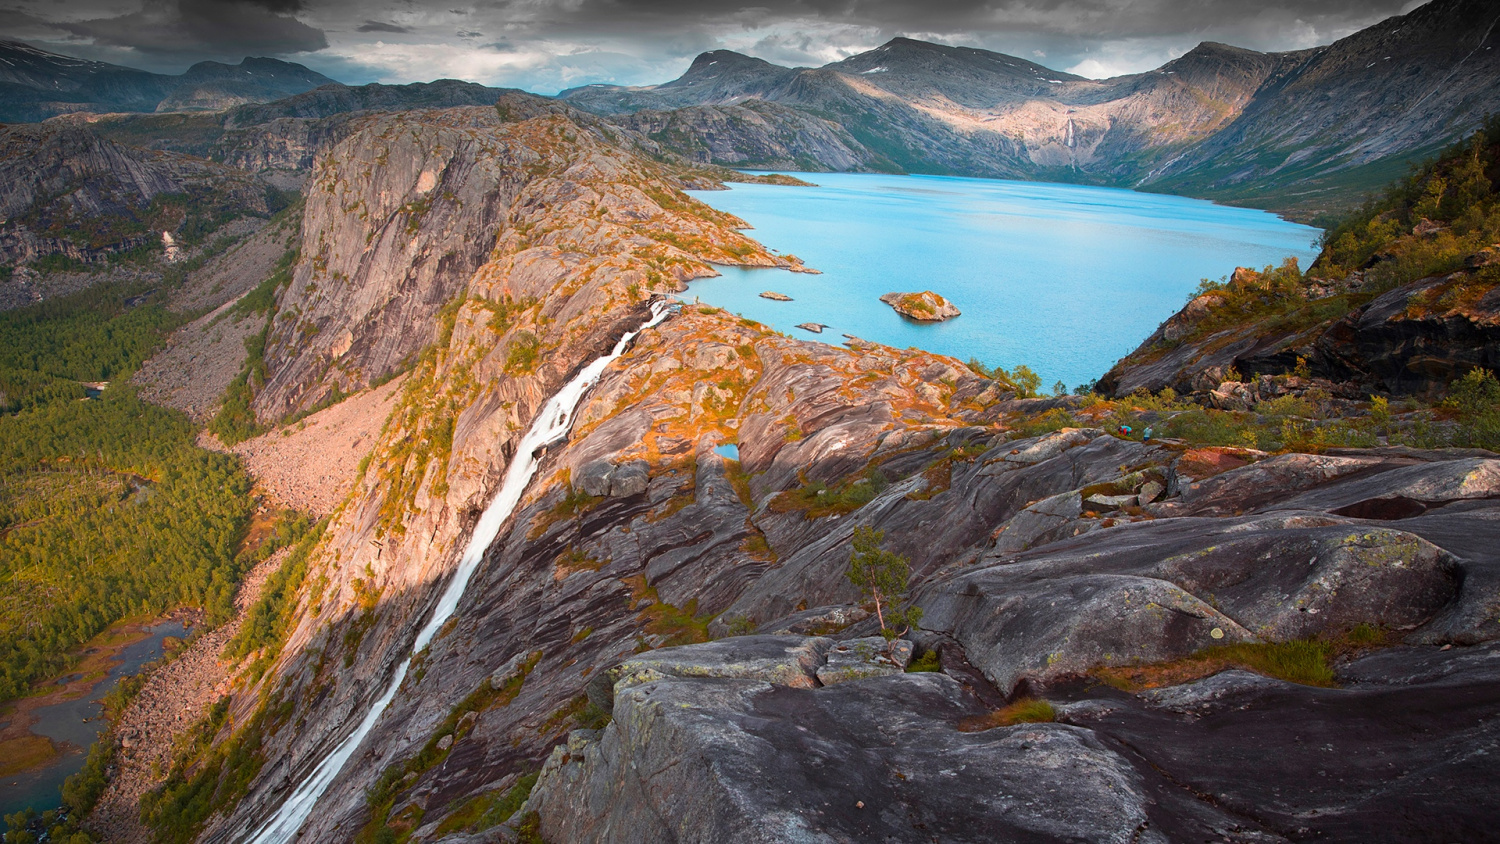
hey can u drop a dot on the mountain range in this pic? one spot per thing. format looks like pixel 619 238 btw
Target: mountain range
pixel 1302 131
pixel 37 84
pixel 1305 133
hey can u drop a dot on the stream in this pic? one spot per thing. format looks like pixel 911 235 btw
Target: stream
pixel 74 724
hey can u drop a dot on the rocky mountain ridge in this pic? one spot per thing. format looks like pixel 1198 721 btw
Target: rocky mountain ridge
pixel 68 192
pixel 36 84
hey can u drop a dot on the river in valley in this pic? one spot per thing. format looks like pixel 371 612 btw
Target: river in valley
pixel 73 724
pixel 1063 278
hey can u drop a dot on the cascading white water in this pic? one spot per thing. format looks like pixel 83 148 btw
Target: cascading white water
pixel 552 424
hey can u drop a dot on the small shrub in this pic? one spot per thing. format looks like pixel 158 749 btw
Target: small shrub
pixel 521 358
pixel 882 576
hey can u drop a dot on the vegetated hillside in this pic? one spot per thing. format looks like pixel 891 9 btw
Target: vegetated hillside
pixel 1403 299
pixel 36 84
pixel 1307 131
pixel 1114 656
pixel 1344 120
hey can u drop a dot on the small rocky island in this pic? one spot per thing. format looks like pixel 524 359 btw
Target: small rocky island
pixel 925 306
pixel 775 297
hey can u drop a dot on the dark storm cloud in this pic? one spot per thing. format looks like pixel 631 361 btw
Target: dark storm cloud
pixel 545 45
pixel 204 28
pixel 378 26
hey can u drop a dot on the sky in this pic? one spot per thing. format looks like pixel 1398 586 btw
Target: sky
pixel 549 45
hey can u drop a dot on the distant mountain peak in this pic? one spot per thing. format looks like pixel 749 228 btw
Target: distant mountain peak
pixel 716 63
pixel 913 55
pixel 718 68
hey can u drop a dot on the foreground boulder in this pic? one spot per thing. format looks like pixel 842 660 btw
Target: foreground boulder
pixel 1405 750
pixel 718 759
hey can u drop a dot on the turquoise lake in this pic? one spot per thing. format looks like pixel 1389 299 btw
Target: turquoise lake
pixel 1063 278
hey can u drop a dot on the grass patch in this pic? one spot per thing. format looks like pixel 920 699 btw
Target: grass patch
pixel 817 500
pixel 576 559
pixel 20 754
pixel 579 713
pixel 488 810
pixel 1307 662
pixel 1024 711
pixel 927 662
pixel 680 625
pixel 735 473
pixel 573 504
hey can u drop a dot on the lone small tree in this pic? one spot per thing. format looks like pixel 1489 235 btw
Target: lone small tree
pixel 881 576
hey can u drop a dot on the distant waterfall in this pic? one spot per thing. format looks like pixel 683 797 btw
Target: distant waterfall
pixel 551 425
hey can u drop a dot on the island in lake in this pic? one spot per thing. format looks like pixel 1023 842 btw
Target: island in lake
pixel 924 307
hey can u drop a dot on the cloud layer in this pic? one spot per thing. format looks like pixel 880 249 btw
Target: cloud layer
pixel 546 45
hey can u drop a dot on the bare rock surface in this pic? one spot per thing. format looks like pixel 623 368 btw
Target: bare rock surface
pixel 702 760
pixel 1302 763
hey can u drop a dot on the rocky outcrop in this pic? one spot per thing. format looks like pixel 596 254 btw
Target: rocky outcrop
pixel 732 756
pixel 922 307
pixel 728 754
pixel 1415 338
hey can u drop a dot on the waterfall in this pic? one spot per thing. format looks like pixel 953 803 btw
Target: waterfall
pixel 551 425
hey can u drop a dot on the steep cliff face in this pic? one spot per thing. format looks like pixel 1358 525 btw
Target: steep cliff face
pixel 63 189
pixel 402 214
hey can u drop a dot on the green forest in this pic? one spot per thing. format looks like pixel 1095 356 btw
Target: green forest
pixel 108 509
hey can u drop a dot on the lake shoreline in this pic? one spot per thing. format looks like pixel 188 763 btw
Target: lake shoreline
pixel 1063 278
